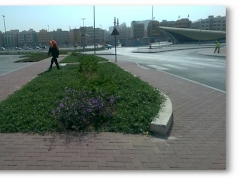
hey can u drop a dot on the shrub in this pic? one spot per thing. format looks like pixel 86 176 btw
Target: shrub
pixel 88 64
pixel 82 109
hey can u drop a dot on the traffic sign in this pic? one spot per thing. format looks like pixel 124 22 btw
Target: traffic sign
pixel 115 32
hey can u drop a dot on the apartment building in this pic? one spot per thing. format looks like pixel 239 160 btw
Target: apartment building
pixel 137 29
pixel 43 37
pixel 27 38
pixel 10 39
pixel 62 37
pixel 211 23
pixel 183 23
pixel 153 30
pixel 166 23
pixel 74 37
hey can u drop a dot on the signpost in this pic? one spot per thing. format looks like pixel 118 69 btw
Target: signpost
pixel 115 33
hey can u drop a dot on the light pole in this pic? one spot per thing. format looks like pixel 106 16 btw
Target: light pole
pixel 84 33
pixel 83 21
pixel 200 28
pixel 94 29
pixel 100 34
pixel 151 26
pixel 5 33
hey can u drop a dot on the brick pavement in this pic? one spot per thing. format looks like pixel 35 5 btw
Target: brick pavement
pixel 197 140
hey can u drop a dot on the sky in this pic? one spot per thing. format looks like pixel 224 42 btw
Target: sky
pixel 54 16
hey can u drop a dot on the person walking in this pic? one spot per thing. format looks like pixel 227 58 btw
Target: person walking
pixel 54 51
pixel 217 46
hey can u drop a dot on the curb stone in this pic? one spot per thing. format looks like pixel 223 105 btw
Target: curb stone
pixel 163 121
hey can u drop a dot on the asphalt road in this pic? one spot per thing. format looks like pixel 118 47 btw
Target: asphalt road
pixel 7 63
pixel 188 64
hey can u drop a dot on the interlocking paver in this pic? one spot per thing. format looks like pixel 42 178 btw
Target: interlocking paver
pixel 197 140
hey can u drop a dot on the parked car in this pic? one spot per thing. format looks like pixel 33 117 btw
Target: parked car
pixel 44 47
pixel 108 46
pixel 27 48
pixel 36 47
pixel 18 48
pixel 2 49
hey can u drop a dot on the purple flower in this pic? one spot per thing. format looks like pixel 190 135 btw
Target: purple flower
pixel 112 99
pixel 61 105
pixel 53 111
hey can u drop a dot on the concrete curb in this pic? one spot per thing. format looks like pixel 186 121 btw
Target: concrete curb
pixel 163 121
pixel 165 50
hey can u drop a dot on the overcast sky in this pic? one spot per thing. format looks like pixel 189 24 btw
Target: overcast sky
pixel 33 16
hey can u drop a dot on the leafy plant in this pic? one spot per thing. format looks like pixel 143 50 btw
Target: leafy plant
pixel 81 109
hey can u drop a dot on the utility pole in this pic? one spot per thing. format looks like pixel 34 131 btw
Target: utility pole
pixel 94 29
pixel 5 33
pixel 200 28
pixel 84 34
pixel 83 21
pixel 151 26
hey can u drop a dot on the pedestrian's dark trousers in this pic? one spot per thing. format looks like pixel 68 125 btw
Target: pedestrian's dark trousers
pixel 54 60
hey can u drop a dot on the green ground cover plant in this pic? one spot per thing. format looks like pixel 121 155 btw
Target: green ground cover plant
pixel 89 96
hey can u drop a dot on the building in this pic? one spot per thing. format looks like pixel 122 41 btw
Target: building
pixel 137 29
pixel 27 38
pixel 43 37
pixel 60 36
pixel 124 33
pixel 183 23
pixel 10 39
pixel 166 23
pixel 153 30
pixel 75 37
pixel 211 23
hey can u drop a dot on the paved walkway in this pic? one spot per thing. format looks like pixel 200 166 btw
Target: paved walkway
pixel 197 140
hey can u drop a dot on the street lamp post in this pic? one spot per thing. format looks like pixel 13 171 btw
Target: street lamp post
pixel 5 33
pixel 83 21
pixel 83 34
pixel 200 28
pixel 94 29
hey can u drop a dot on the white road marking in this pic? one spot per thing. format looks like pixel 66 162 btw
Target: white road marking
pixel 174 66
pixel 158 67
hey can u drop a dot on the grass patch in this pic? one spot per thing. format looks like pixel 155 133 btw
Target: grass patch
pixel 77 56
pixel 30 108
pixel 35 57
